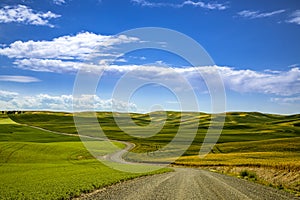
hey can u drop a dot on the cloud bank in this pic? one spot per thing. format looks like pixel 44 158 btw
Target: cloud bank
pixel 6 96
pixel 14 101
pixel 68 54
pixel 25 15
pixel 283 83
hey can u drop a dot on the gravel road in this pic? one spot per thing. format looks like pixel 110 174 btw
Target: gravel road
pixel 186 183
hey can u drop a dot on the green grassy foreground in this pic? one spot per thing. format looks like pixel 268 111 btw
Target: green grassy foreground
pixel 266 144
pixel 36 164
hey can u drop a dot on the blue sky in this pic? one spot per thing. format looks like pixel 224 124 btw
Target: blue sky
pixel 254 44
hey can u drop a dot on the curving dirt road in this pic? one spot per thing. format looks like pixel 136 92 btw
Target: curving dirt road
pixel 118 155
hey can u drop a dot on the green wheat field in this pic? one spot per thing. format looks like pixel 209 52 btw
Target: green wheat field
pixel 42 165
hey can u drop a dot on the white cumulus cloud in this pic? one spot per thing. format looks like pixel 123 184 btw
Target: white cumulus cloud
pixel 283 83
pixel 51 65
pixel 81 47
pixel 25 15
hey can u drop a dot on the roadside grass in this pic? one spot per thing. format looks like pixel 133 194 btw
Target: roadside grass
pixel 36 164
pixel 248 174
pixel 266 144
pixel 274 162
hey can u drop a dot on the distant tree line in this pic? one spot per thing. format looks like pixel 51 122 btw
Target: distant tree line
pixel 12 112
